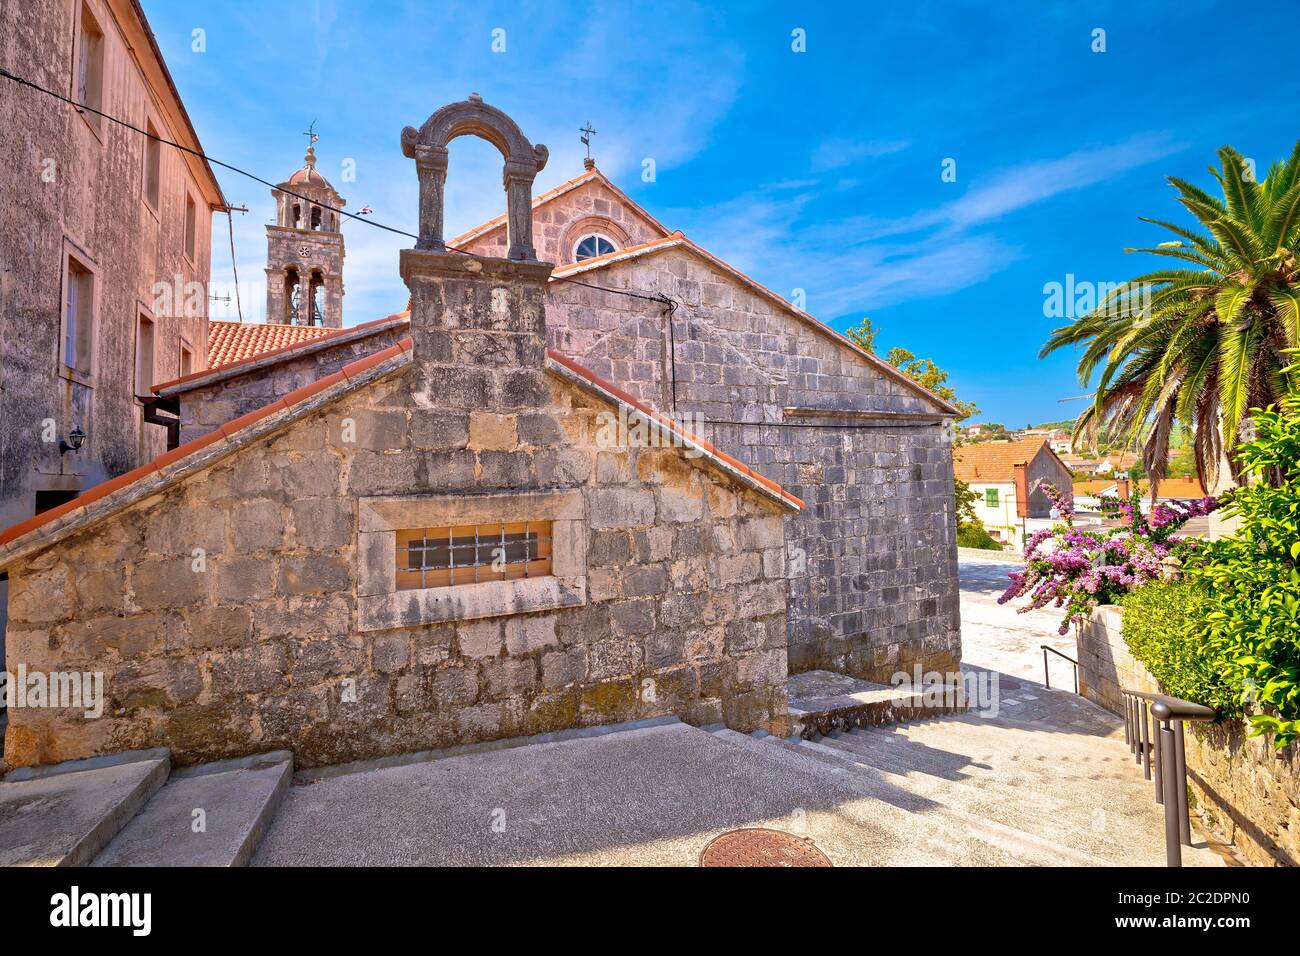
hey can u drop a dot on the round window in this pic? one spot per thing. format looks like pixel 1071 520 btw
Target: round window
pixel 590 246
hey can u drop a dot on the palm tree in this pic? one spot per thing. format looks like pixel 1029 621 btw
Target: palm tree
pixel 1199 345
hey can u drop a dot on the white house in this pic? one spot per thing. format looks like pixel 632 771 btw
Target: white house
pixel 1008 478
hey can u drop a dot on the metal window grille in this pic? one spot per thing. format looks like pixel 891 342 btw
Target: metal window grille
pixel 473 554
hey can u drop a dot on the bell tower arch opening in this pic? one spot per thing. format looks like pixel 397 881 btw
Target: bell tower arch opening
pixel 305 249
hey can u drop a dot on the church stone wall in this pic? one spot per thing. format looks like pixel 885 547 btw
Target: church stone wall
pixel 681 607
pixel 560 223
pixel 873 576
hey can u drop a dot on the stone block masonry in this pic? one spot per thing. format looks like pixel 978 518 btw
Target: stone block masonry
pixel 873 560
pixel 253 642
pixel 206 407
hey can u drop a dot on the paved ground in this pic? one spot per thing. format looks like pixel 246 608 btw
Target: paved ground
pixel 997 637
pixel 1042 784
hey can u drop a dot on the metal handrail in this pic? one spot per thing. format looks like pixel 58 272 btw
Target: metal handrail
pixel 1047 678
pixel 1153 730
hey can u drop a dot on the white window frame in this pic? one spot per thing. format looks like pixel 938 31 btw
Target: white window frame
pixel 82 10
pixel 592 235
pixel 84 375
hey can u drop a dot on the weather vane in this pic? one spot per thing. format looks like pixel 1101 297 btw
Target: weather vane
pixel 310 158
pixel 587 132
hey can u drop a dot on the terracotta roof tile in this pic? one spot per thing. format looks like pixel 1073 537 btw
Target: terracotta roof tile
pixel 230 342
pixel 251 336
pixel 225 432
pixel 994 461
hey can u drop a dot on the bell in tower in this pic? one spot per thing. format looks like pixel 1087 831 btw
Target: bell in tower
pixel 304 249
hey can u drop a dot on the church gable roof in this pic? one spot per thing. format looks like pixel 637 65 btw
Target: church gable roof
pixel 678 240
pixel 116 495
pixel 591 176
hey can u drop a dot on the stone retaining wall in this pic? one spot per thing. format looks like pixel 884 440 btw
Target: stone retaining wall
pixel 1243 788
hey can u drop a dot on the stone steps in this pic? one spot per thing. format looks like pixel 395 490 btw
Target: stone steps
pixel 237 798
pixel 64 814
pixel 1042 794
pixel 130 809
pixel 938 834
pixel 1090 815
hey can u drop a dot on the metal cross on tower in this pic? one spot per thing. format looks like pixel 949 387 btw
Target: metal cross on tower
pixel 587 132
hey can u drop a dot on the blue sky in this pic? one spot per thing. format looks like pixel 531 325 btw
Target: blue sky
pixel 816 170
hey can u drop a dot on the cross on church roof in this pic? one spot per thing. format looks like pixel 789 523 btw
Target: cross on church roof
pixel 587 132
pixel 311 143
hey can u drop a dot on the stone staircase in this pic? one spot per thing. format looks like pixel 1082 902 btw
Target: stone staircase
pixel 132 809
pixel 1048 781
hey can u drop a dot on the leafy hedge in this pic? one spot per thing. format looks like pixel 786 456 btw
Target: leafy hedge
pixel 975 536
pixel 1229 633
pixel 1253 624
pixel 1163 628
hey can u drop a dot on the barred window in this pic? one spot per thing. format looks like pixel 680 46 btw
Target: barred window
pixel 472 554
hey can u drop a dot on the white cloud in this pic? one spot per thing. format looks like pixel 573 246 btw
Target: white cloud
pixel 781 235
pixel 838 152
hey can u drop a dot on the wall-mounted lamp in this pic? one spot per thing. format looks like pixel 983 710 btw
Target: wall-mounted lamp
pixel 76 438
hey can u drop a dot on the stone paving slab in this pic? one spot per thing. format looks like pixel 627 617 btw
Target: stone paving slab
pixel 64 814
pixel 655 795
pixel 238 799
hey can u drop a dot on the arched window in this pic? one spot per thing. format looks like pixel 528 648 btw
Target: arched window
pixel 315 217
pixel 591 246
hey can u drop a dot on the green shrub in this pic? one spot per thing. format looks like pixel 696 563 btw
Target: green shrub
pixel 1164 625
pixel 1253 625
pixel 974 536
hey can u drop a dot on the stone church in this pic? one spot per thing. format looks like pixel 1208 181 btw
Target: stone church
pixel 415 531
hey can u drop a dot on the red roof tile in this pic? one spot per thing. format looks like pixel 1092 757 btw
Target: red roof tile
pixel 230 342
pixel 225 432
pixel 995 460
pixel 253 336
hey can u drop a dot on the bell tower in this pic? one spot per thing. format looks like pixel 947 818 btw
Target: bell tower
pixel 304 249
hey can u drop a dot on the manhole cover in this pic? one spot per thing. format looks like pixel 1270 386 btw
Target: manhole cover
pixel 760 847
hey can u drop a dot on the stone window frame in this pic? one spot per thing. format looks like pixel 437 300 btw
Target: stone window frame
pixel 381 606
pixel 83 11
pixel 589 225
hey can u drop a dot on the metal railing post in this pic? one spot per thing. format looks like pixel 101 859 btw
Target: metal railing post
pixel 1144 748
pixel 1047 677
pixel 1173 819
pixel 1155 724
pixel 1180 774
pixel 1160 770
pixel 1128 730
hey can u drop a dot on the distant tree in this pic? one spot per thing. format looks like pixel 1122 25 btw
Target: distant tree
pixel 930 376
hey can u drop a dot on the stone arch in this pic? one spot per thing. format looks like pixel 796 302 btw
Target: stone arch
pixel 589 225
pixel 428 147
